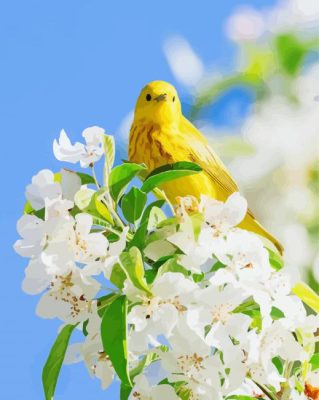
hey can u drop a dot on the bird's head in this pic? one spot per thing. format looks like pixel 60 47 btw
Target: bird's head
pixel 158 103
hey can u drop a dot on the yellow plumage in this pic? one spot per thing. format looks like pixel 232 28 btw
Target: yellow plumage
pixel 160 134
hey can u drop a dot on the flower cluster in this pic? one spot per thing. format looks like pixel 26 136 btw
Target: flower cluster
pixel 178 306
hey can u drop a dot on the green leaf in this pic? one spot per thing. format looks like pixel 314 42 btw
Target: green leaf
pixel 114 337
pixel 150 275
pixel 109 151
pixel 132 263
pixel 104 301
pixel 101 208
pixel 218 265
pixel 247 306
pixel 314 361
pixel 252 309
pixel 307 295
pixel 161 261
pixel 84 327
pixel 28 209
pixel 197 222
pixel 86 179
pixel 275 260
pixel 169 172
pixel 146 361
pixel 125 391
pixel 290 53
pixel 118 276
pixel 276 313
pixel 95 207
pixel 157 215
pixel 140 234
pixel 133 203
pixel 172 265
pixel 121 176
pixel 198 277
pixel 54 362
pixel 278 364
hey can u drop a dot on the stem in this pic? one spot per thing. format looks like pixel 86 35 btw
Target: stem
pixel 94 176
pixel 113 212
pixel 271 396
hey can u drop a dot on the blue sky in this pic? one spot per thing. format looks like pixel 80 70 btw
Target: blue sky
pixel 72 64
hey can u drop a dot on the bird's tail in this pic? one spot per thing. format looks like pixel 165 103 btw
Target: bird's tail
pixel 251 224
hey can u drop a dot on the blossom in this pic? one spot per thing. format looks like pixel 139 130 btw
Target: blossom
pixel 86 154
pixel 245 25
pixel 222 216
pixel 31 228
pixel 69 298
pixel 43 187
pixel 158 314
pixel 199 310
pixel 143 391
pixel 245 258
pixel 91 352
pixel 216 312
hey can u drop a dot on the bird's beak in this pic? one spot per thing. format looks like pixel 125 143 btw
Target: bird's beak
pixel 161 97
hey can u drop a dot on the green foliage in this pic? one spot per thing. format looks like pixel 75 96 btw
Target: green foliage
pixel 121 176
pixel 54 361
pixel 290 53
pixel 140 234
pixel 118 276
pixel 132 264
pixel 90 202
pixel 275 260
pixel 314 361
pixel 171 265
pixel 133 204
pixel 104 302
pixel 168 173
pixel 276 313
pixel 114 337
pixel 278 364
pixel 109 151
pixel 86 179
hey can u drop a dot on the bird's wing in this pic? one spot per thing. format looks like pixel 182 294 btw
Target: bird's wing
pixel 202 154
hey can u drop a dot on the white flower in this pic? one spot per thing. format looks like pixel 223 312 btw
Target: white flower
pixel 86 154
pixel 275 340
pixel 245 24
pixel 159 314
pixel 69 297
pixel 245 257
pixel 72 240
pixel 37 278
pixel 91 352
pixel 214 309
pixel 42 187
pixel 106 261
pixel 87 246
pixel 190 360
pixel 196 252
pixel 143 391
pixel 31 229
pixel 222 216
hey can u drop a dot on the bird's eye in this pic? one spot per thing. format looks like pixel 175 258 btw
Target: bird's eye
pixel 148 97
pixel 173 99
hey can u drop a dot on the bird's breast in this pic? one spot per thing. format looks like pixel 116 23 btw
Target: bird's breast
pixel 148 145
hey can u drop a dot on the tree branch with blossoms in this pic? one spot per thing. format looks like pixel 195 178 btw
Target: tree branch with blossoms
pixel 177 305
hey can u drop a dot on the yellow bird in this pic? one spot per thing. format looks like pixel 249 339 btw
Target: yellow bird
pixel 160 135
